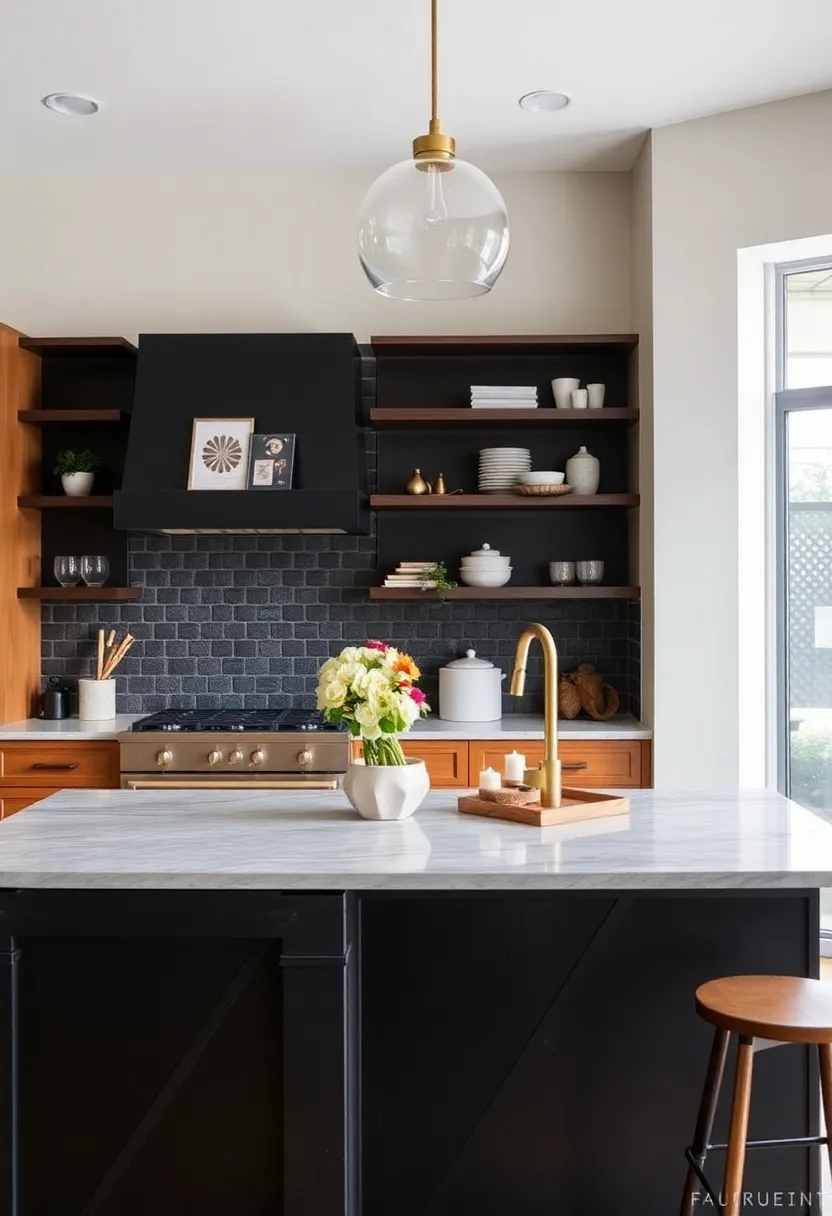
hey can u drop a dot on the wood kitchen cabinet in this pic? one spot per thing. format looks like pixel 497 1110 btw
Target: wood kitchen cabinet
pixel 31 771
pixel 446 761
pixel 617 763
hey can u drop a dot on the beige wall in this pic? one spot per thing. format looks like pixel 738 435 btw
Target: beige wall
pixel 720 184
pixel 126 254
pixel 642 279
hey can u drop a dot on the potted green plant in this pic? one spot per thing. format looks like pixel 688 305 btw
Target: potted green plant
pixel 76 471
pixel 371 690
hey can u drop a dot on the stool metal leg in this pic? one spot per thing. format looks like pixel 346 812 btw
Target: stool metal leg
pixel 705 1118
pixel 738 1133
pixel 825 1059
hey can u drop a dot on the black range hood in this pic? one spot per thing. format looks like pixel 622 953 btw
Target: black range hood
pixel 304 384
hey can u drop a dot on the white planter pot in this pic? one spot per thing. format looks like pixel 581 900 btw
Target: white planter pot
pixel 386 791
pixel 77 485
pixel 96 700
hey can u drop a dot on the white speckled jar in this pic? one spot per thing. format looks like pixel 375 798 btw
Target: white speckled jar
pixel 96 700
pixel 583 472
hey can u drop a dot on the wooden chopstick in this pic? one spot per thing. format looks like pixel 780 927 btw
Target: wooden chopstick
pixel 100 663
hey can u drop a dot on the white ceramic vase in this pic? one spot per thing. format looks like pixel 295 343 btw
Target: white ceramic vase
pixel 583 472
pixel 386 791
pixel 96 700
pixel 77 485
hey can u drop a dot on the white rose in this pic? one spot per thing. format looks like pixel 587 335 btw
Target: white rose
pixel 351 654
pixel 367 719
pixel 335 694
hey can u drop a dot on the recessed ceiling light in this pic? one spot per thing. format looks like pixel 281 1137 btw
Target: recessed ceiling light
pixel 544 101
pixel 71 103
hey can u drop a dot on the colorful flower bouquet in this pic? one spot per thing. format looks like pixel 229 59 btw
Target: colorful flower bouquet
pixel 372 690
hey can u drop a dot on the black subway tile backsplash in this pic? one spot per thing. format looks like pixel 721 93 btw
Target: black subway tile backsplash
pixel 224 636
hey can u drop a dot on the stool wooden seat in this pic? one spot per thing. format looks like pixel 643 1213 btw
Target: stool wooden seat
pixel 781 1008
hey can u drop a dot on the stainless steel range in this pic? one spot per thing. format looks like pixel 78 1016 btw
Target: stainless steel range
pixel 233 749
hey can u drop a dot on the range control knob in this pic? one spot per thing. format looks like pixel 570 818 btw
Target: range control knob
pixel 305 757
pixel 235 757
pixel 164 757
pixel 214 757
pixel 258 756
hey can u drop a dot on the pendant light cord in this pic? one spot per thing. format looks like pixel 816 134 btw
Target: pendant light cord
pixel 434 67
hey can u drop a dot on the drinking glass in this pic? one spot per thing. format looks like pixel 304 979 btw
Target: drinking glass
pixel 67 570
pixel 95 569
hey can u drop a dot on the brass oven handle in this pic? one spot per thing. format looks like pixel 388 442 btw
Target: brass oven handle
pixel 185 784
pixel 575 765
pixel 55 768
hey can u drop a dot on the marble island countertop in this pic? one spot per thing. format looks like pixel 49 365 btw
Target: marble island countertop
pixel 290 840
pixel 513 726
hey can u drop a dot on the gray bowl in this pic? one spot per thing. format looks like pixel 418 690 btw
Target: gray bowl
pixel 562 574
pixel 589 573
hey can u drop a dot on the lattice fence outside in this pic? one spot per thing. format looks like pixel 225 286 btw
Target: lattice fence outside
pixel 810 587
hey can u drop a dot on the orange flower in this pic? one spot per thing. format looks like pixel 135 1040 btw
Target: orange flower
pixel 405 664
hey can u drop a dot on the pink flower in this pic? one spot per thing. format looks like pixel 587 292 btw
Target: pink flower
pixel 376 645
pixel 417 695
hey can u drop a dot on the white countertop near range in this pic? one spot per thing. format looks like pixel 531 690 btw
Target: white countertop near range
pixel 291 840
pixel 514 726
pixel 530 726
pixel 65 730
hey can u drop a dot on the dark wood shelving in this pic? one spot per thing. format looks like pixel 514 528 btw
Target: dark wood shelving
pixel 410 344
pixel 44 417
pixel 467 416
pixel 79 593
pixel 510 593
pixel 65 502
pixel 497 502
pixel 83 348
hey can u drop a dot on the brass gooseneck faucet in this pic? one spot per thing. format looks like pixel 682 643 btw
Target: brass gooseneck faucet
pixel 547 778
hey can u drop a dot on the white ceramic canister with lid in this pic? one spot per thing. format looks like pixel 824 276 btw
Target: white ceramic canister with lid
pixel 470 690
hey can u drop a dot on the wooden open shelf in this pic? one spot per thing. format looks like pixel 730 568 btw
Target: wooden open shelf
pixel 65 502
pixel 79 593
pixel 500 343
pixel 510 593
pixel 75 348
pixel 44 417
pixel 468 416
pixel 497 502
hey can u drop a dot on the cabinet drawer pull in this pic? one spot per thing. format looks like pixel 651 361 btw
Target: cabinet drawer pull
pixel 54 768
pixel 574 765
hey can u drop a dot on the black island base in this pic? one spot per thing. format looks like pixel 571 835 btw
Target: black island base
pixel 426 1054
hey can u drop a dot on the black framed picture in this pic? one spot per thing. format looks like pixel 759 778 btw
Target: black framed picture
pixel 271 463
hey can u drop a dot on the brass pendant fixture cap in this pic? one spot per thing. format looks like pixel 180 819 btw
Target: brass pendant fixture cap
pixel 436 145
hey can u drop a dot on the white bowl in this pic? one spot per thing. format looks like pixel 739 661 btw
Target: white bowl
pixel 482 578
pixel 542 479
pixel 483 563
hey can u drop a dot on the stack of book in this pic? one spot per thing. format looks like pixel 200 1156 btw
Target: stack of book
pixel 504 396
pixel 410 574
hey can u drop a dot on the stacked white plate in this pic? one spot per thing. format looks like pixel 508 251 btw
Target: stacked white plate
pixel 502 468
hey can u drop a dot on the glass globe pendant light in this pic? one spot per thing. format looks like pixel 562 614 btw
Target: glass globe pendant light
pixel 433 227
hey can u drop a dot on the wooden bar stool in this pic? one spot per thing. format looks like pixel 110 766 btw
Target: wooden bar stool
pixel 777 1008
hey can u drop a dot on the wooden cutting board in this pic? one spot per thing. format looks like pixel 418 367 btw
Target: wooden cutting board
pixel 575 805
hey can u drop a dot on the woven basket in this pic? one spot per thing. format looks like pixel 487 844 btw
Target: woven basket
pixel 541 491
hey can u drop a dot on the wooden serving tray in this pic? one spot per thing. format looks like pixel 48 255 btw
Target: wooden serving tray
pixel 575 805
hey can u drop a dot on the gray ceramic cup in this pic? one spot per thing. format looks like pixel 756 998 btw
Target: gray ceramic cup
pixel 590 572
pixel 562 573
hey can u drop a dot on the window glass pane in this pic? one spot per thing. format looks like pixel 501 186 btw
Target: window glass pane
pixel 809 613
pixel 809 328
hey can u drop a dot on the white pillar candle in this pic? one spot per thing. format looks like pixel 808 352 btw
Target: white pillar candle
pixel 514 766
pixel 490 779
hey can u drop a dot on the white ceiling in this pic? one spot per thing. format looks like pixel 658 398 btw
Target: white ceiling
pixel 258 85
